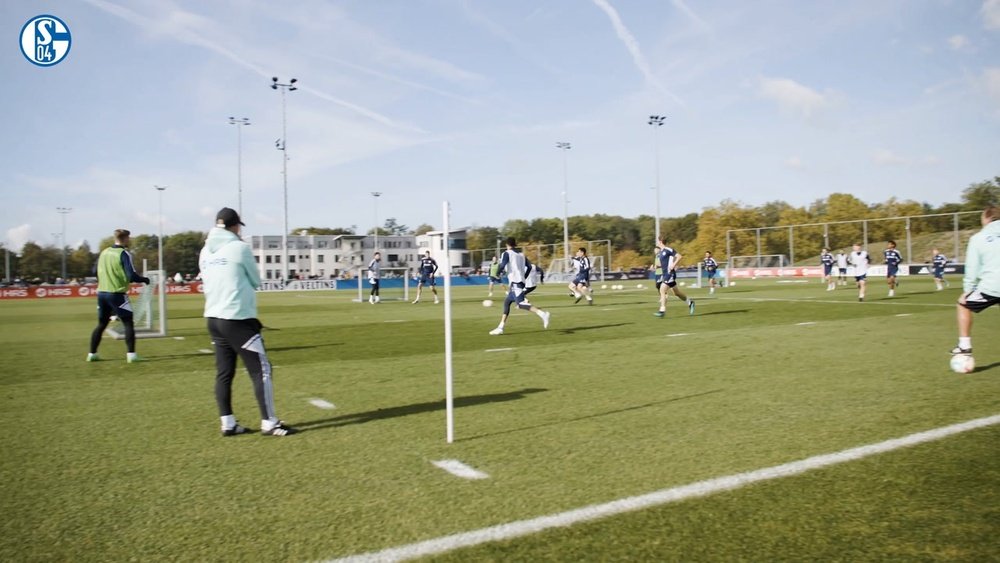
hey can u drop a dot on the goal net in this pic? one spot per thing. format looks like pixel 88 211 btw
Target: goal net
pixel 562 270
pixel 149 309
pixel 393 286
pixel 759 261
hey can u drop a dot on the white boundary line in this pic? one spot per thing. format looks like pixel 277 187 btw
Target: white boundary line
pixel 832 302
pixel 327 405
pixel 498 350
pixel 661 497
pixel 459 469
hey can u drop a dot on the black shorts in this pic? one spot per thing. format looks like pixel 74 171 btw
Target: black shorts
pixel 113 304
pixel 976 301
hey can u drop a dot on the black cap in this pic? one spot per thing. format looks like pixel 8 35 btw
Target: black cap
pixel 228 217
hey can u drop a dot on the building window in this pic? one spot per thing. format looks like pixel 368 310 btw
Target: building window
pixel 256 259
pixel 267 259
pixel 291 257
pixel 320 258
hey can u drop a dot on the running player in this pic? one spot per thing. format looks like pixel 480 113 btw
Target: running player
pixel 516 266
pixel 535 276
pixel 826 259
pixel 939 262
pixel 668 259
pixel 981 284
pixel 841 268
pixel 495 274
pixel 114 274
pixel 375 277
pixel 859 259
pixel 892 260
pixel 711 268
pixel 580 286
pixel 428 267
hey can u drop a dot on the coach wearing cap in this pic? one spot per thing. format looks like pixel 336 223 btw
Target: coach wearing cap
pixel 230 280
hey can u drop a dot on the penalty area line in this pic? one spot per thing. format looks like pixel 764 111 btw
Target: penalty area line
pixel 664 496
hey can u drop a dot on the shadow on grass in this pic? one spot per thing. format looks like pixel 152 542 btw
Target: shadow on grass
pixel 986 367
pixel 310 347
pixel 593 327
pixel 697 314
pixel 589 416
pixel 416 408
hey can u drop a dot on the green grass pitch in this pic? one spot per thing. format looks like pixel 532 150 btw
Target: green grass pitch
pixel 109 461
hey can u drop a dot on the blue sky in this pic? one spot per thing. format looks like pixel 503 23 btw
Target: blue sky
pixel 464 100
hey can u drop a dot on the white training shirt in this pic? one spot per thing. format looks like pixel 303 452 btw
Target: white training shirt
pixel 859 260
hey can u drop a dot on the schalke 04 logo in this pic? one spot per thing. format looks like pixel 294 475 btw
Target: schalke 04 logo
pixel 45 40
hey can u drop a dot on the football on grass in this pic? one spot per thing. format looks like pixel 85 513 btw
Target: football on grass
pixel 487 303
pixel 962 363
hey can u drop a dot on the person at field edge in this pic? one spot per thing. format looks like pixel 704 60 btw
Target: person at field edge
pixel 826 260
pixel 841 268
pixel 859 260
pixel 981 284
pixel 534 277
pixel 669 259
pixel 427 268
pixel 892 261
pixel 518 270
pixel 114 274
pixel 711 269
pixel 580 286
pixel 230 280
pixel 494 274
pixel 938 262
pixel 374 277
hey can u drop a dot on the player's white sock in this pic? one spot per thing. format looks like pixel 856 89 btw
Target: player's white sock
pixel 892 292
pixel 576 294
pixel 228 421
pixel 711 290
pixel 965 342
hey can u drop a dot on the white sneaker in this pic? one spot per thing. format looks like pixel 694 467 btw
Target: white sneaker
pixel 377 299
pixel 490 295
pixel 436 301
pixel 496 332
pixel 892 293
pixel 415 301
pixel 93 358
pixel 371 299
pixel 545 319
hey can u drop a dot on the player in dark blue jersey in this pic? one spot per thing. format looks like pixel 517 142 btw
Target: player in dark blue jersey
pixel 427 268
pixel 518 271
pixel 580 286
pixel 938 263
pixel 892 261
pixel 668 259
pixel 826 260
pixel 711 270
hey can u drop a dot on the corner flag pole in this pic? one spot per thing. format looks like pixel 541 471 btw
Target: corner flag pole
pixel 448 391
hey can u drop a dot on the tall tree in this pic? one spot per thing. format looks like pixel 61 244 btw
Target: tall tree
pixel 981 195
pixel 181 251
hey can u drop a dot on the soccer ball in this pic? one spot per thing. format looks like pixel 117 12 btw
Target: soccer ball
pixel 962 363
pixel 487 303
pixel 604 286
pixel 732 284
pixel 638 286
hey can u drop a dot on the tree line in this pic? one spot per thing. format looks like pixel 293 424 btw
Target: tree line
pixel 630 239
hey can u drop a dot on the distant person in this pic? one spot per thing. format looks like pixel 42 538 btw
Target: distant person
pixel 178 278
pixel 534 277
pixel 494 274
pixel 826 260
pixel 711 269
pixel 115 273
pixel 981 284
pixel 938 262
pixel 375 277
pixel 427 269
pixel 841 268
pixel 231 279
pixel 668 259
pixel 859 260
pixel 580 286
pixel 892 260
pixel 516 266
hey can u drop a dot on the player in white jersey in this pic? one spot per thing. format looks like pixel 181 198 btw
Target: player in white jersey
pixel 517 267
pixel 841 268
pixel 859 259
pixel 374 277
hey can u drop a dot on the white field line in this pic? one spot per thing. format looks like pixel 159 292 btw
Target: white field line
pixel 661 497
pixel 904 315
pixel 807 323
pixel 178 338
pixel 327 405
pixel 830 301
pixel 459 469
pixel 498 350
pixel 679 334
pixel 396 321
pixel 205 351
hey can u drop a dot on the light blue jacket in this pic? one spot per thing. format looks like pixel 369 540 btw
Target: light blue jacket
pixel 229 276
pixel 982 261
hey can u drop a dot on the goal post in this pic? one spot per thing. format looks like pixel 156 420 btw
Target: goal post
pixel 394 285
pixel 149 309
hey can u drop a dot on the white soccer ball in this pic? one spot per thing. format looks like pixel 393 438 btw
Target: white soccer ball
pixel 605 286
pixel 963 363
pixel 638 286
pixel 682 284
pixel 487 302
pixel 733 284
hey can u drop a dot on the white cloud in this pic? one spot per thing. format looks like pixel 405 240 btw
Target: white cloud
pixel 794 163
pixel 991 14
pixel 885 157
pixel 793 97
pixel 958 42
pixel 18 236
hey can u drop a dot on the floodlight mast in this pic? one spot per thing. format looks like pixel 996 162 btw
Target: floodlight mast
pixel 239 159
pixel 657 121
pixel 564 146
pixel 282 145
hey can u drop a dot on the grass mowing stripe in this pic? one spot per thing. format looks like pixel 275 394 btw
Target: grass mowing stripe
pixel 663 496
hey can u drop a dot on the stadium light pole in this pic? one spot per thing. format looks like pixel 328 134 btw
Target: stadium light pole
pixel 282 145
pixel 657 121
pixel 239 123
pixel 564 146
pixel 63 211
pixel 375 196
pixel 159 236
